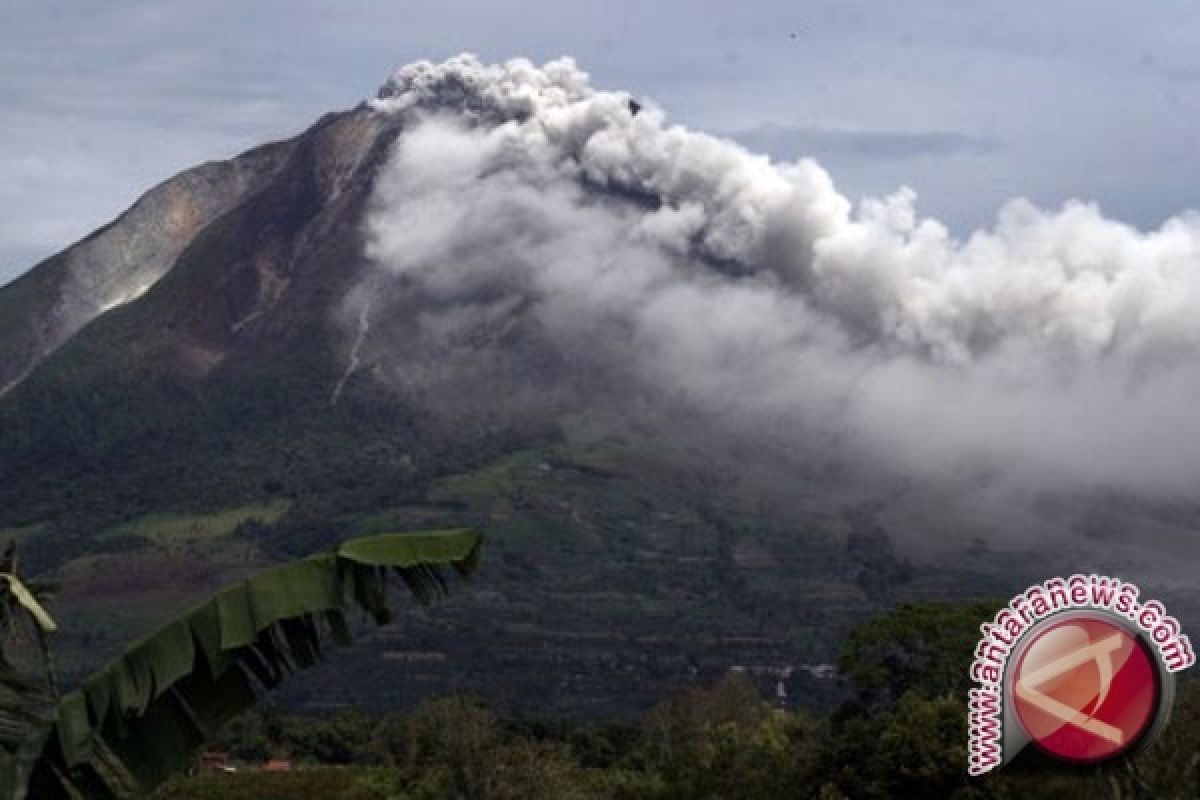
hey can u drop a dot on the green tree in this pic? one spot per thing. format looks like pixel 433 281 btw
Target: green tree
pixel 455 747
pixel 917 748
pixel 727 742
pixel 904 733
pixel 922 647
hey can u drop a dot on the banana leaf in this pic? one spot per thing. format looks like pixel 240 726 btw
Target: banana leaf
pixel 142 717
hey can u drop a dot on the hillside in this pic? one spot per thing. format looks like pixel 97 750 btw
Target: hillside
pixel 265 362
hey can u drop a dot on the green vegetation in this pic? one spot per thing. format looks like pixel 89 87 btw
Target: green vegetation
pixel 607 582
pixel 320 783
pixel 721 742
pixel 134 723
pixel 899 732
pixel 176 529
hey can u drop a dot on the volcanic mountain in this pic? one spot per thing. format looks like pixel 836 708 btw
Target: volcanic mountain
pixel 699 423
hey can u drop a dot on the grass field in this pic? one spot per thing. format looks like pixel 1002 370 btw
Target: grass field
pixel 172 528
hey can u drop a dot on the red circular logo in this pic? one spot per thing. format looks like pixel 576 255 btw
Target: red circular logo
pixel 1085 689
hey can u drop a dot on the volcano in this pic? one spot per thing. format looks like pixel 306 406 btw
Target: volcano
pixel 655 370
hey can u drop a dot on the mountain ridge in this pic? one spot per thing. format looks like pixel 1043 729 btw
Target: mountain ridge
pixel 218 388
pixel 302 353
pixel 54 299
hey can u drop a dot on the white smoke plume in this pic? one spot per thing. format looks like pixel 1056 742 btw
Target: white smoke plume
pixel 1059 348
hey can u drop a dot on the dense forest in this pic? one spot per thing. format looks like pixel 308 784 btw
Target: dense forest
pixel 900 733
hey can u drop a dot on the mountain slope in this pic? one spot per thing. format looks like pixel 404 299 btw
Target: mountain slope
pixel 233 345
pixel 486 299
pixel 227 384
pixel 47 305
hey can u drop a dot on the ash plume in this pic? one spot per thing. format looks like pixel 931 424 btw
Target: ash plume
pixel 1059 348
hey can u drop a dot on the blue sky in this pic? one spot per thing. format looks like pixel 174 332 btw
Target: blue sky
pixel 970 103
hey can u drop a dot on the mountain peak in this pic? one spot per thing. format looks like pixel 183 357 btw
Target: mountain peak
pixel 517 88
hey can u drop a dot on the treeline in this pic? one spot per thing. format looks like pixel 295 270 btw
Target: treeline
pixel 902 734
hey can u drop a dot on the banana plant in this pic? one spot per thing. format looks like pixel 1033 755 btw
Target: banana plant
pixel 26 698
pixel 22 614
pixel 142 717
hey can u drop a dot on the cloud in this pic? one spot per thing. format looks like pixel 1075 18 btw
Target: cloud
pixel 1065 92
pixel 1056 350
pixel 798 141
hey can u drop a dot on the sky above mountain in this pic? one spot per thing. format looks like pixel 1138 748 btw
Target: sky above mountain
pixel 968 104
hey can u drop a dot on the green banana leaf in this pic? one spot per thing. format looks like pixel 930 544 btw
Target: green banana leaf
pixel 143 716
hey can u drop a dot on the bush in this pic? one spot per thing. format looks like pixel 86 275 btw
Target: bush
pixel 320 783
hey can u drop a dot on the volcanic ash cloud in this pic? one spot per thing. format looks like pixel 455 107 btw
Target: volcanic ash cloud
pixel 1057 349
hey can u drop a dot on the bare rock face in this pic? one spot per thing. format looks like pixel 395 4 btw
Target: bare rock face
pixel 243 257
pixel 117 263
pixel 275 267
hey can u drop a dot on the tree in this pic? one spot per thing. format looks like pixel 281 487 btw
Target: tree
pixel 923 647
pixel 727 742
pixel 142 717
pixel 904 732
pixel 456 747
